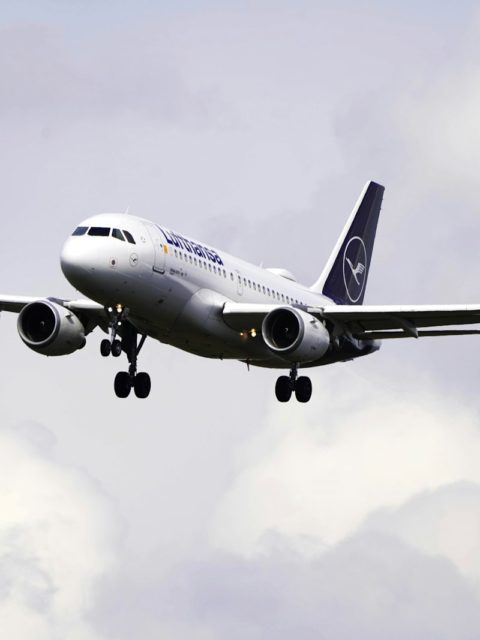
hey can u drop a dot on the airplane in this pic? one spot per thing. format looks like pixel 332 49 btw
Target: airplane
pixel 143 280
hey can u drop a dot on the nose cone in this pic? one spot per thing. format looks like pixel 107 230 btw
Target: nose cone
pixel 73 261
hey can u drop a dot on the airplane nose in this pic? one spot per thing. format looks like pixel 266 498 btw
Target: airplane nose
pixel 73 261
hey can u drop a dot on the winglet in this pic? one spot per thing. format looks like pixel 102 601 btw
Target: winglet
pixel 344 278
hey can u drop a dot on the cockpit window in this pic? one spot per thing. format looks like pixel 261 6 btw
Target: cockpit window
pixel 116 233
pixel 99 231
pixel 80 231
pixel 129 236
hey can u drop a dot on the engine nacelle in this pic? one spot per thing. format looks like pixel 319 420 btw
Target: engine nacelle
pixel 50 329
pixel 295 335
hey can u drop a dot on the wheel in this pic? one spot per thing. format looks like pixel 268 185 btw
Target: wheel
pixel 303 389
pixel 283 389
pixel 122 384
pixel 116 348
pixel 142 385
pixel 105 348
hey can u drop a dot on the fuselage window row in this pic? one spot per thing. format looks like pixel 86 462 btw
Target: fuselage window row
pixel 203 265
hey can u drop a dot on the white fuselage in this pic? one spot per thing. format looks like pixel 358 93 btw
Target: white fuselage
pixel 175 288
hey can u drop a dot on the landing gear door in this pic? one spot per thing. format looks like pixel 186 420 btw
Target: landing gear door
pixel 159 248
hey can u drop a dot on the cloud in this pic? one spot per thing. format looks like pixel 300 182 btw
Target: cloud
pixel 57 538
pixel 441 522
pixel 361 447
pixel 369 586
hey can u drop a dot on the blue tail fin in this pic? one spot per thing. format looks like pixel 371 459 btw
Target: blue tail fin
pixel 344 278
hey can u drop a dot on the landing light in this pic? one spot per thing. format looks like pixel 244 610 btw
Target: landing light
pixel 253 333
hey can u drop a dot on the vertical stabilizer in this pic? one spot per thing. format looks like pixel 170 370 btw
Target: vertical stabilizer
pixel 344 278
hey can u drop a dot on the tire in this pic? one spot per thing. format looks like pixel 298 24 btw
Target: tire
pixel 283 389
pixel 142 385
pixel 105 348
pixel 122 384
pixel 303 389
pixel 116 348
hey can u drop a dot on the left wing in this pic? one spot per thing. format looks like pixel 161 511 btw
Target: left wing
pixel 244 316
pixel 369 322
pixel 384 322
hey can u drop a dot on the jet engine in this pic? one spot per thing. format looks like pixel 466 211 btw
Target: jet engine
pixel 50 329
pixel 295 335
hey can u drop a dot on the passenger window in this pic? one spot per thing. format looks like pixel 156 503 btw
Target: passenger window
pixel 214 269
pixel 129 236
pixel 195 261
pixel 249 284
pixel 210 267
pixel 224 273
pixel 99 231
pixel 80 231
pixel 116 233
pixel 254 287
pixel 263 288
pixel 231 276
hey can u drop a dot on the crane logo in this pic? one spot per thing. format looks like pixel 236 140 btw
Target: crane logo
pixel 355 268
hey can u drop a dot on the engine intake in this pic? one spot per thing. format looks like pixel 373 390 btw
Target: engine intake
pixel 295 335
pixel 50 329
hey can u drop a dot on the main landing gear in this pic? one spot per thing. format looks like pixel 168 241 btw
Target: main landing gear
pixel 286 385
pixel 125 381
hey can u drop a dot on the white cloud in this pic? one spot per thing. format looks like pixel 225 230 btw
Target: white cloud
pixel 320 474
pixel 370 586
pixel 57 538
pixel 444 521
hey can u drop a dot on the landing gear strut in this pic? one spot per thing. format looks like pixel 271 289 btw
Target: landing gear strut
pixel 286 385
pixel 125 381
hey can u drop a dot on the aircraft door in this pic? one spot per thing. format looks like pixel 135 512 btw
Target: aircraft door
pixel 159 248
pixel 238 276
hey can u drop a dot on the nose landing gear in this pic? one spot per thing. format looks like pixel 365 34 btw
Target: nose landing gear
pixel 286 385
pixel 113 346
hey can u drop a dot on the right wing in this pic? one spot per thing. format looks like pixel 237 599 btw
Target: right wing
pixel 90 313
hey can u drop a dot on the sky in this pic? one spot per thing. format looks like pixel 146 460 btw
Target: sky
pixel 209 510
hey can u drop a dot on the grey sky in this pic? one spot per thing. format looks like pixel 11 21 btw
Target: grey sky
pixel 208 510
